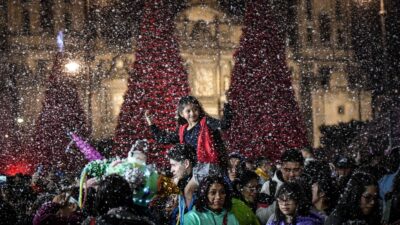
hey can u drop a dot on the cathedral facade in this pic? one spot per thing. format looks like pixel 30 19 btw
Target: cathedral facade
pixel 325 75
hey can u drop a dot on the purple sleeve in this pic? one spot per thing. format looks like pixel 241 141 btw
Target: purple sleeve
pixel 47 210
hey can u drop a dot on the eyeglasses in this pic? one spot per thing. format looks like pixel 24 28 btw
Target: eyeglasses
pixel 286 201
pixel 252 188
pixel 370 198
pixel 291 170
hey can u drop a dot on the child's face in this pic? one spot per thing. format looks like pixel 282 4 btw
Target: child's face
pixel 287 205
pixel 216 197
pixel 190 113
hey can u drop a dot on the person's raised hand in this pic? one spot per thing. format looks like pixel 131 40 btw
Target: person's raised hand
pixel 147 116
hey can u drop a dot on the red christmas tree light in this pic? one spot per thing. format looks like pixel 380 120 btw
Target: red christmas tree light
pixel 61 113
pixel 267 119
pixel 157 81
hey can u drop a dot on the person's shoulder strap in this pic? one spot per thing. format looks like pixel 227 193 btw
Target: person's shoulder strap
pixel 272 187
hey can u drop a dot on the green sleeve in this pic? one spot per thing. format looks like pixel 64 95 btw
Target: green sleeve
pixel 243 213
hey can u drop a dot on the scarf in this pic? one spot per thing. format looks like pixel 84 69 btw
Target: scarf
pixel 206 152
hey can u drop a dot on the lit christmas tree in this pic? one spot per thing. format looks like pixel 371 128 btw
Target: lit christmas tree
pixel 157 81
pixel 61 113
pixel 267 119
pixel 9 146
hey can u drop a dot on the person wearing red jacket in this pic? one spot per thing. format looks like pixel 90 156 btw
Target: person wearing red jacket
pixel 200 131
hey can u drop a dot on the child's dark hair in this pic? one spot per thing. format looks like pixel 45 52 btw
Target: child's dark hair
pixel 180 152
pixel 292 155
pixel 202 201
pixel 294 191
pixel 189 100
pixel 246 177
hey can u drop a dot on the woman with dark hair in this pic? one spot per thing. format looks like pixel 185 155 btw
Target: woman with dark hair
pixel 244 202
pixel 358 204
pixel 293 207
pixel 248 188
pixel 324 196
pixel 213 205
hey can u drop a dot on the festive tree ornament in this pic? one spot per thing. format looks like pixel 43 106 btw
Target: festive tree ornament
pixel 96 169
pixel 143 179
pixel 87 150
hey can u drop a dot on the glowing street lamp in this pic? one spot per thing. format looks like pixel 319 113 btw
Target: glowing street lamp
pixel 72 67
pixel 20 120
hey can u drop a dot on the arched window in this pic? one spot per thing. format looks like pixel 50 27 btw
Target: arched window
pixel 325 29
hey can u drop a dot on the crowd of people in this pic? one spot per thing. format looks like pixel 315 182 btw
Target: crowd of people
pixel 210 186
